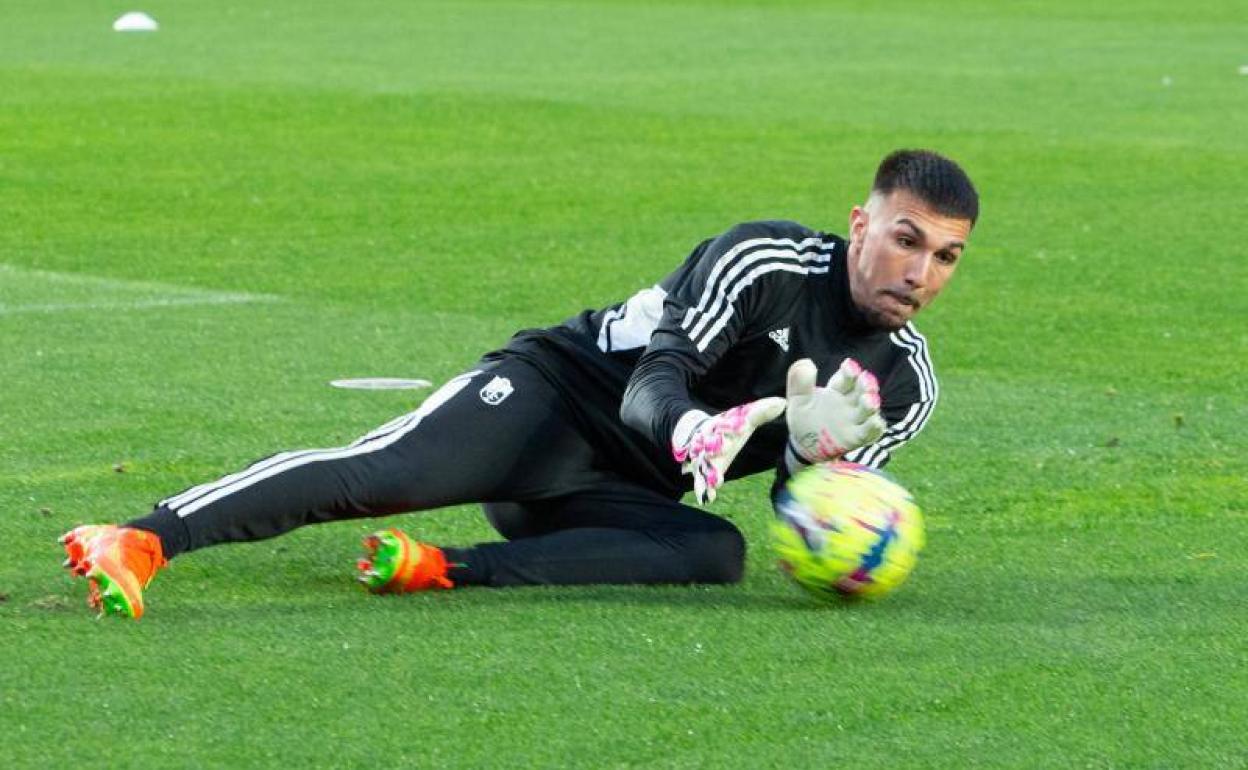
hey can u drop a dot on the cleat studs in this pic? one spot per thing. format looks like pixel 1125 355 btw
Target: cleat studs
pixel 363 564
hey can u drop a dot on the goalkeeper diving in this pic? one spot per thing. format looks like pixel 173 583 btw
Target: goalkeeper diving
pixel 772 347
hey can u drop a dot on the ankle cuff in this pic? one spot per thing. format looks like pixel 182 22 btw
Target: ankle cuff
pixel 169 527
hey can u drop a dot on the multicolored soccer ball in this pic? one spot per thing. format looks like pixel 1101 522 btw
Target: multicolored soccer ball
pixel 846 530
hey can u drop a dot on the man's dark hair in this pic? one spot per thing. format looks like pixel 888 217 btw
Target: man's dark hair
pixel 933 179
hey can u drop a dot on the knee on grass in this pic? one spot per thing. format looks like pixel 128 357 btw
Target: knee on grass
pixel 715 556
pixel 512 520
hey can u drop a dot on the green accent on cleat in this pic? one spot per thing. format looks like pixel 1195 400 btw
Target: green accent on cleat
pixel 113 600
pixel 386 549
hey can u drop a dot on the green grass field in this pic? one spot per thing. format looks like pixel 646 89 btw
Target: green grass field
pixel 201 227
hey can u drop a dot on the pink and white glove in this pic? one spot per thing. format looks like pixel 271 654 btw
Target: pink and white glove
pixel 825 423
pixel 706 445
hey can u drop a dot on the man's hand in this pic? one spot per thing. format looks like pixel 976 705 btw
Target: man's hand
pixel 706 445
pixel 825 423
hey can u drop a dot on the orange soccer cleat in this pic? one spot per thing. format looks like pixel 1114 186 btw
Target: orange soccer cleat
pixel 118 563
pixel 396 564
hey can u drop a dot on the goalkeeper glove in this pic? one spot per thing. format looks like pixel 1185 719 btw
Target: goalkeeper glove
pixel 825 423
pixel 706 445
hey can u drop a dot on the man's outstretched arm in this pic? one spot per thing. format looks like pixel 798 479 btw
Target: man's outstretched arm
pixel 729 286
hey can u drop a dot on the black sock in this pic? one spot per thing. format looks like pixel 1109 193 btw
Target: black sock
pixel 460 569
pixel 169 527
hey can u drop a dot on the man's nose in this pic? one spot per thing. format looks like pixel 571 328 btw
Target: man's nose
pixel 917 268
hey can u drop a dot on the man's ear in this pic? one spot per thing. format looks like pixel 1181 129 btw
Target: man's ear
pixel 858 218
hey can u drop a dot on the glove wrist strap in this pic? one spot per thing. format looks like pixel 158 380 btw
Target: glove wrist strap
pixel 686 426
pixel 793 459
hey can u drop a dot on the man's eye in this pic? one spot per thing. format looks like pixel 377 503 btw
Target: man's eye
pixel 946 258
pixel 905 241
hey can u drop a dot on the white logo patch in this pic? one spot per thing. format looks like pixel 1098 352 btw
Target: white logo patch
pixel 496 390
pixel 781 338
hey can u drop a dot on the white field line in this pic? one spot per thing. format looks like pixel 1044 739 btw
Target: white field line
pixel 140 304
pixel 167 295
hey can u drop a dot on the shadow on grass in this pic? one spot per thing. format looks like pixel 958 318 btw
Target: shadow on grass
pixel 314 593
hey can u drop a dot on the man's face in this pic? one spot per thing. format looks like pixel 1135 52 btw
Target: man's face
pixel 901 253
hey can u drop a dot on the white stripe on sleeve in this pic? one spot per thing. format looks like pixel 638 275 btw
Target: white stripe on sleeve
pixel 739 267
pixel 875 455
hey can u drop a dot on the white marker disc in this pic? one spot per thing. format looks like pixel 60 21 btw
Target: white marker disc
pixel 381 383
pixel 135 21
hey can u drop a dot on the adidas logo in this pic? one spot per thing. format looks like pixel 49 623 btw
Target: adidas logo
pixel 781 338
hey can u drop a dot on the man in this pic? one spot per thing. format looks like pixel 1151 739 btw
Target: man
pixel 581 439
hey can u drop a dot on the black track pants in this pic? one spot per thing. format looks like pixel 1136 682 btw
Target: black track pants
pixel 496 434
pixel 615 533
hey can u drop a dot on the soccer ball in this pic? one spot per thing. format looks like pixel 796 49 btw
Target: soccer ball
pixel 846 530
